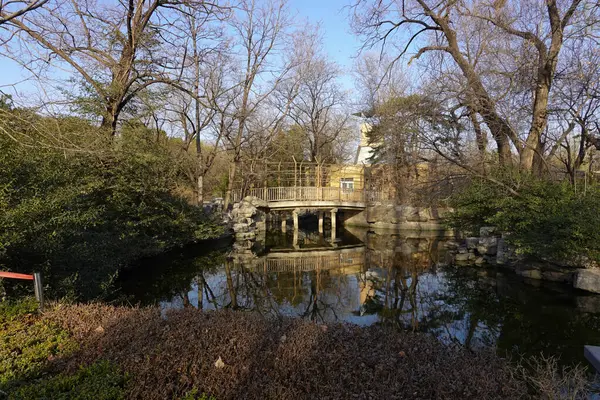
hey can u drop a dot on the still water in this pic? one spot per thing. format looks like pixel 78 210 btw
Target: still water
pixel 369 278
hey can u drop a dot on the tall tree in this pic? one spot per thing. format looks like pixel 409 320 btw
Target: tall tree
pixel 575 111
pixel 320 106
pixel 204 94
pixel 260 31
pixel 114 48
pixel 511 29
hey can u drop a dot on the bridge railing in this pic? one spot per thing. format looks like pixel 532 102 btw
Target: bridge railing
pixel 312 263
pixel 304 193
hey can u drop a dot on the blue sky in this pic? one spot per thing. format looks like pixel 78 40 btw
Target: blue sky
pixel 340 44
pixel 10 73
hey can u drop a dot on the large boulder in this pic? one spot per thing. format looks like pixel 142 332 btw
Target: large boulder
pixel 487 231
pixel 487 246
pixel 562 276
pixel 416 214
pixel 529 272
pixel 256 202
pixel 462 257
pixel 249 218
pixel 249 208
pixel 471 242
pixel 243 210
pixel 241 227
pixel 245 235
pixel 381 213
pixel 588 279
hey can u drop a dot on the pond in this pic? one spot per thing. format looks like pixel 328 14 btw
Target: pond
pixel 371 277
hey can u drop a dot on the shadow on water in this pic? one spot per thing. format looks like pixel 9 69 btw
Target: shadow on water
pixel 373 278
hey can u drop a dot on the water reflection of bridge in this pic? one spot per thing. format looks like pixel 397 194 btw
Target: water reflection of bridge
pixel 305 260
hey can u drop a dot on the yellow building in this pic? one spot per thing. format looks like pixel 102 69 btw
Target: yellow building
pixel 350 177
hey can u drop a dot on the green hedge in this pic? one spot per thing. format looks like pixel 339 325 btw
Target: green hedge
pixel 543 219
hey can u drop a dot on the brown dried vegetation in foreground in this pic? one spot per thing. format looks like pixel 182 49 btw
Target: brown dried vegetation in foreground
pixel 275 359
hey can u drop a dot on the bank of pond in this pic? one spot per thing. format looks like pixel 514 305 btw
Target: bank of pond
pixel 367 278
pixel 284 294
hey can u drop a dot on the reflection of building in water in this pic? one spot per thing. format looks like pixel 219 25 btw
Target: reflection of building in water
pixel 356 283
pixel 348 258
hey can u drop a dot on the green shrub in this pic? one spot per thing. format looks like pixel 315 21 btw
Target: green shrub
pixel 80 216
pixel 11 310
pixel 543 219
pixel 100 381
pixel 27 343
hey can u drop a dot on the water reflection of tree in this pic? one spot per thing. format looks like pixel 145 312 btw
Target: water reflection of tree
pixel 252 289
pixel 319 305
pixel 402 300
pixel 517 318
pixel 396 296
pixel 473 307
pixel 315 295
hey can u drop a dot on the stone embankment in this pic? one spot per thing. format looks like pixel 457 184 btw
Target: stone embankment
pixel 491 248
pixel 249 218
pixel 388 215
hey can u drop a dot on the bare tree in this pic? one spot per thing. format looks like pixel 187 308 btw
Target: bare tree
pixel 11 9
pixel 575 111
pixel 115 48
pixel 514 28
pixel 204 93
pixel 320 106
pixel 378 79
pixel 260 32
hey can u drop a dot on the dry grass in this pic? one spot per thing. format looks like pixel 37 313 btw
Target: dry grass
pixel 549 380
pixel 276 359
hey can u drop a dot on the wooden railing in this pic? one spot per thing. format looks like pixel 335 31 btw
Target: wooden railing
pixel 305 193
pixel 313 263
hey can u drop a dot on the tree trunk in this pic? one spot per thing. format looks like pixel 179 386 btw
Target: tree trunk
pixel 200 190
pixel 538 124
pixel 547 61
pixel 230 185
pixel 500 133
pixel 199 157
pixel 539 162
pixel 482 103
pixel 480 136
pixel 109 120
pixel 230 287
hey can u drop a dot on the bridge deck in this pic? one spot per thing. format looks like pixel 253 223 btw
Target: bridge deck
pixel 311 197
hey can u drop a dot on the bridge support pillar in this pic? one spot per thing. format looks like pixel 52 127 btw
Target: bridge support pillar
pixel 333 218
pixel 321 216
pixel 333 223
pixel 283 224
pixel 295 215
